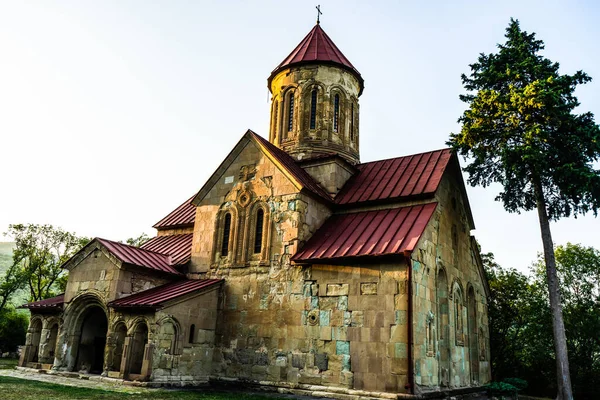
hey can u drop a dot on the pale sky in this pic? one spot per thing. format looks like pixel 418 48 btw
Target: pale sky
pixel 112 113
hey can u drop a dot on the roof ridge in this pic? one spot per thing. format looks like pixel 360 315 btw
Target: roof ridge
pixel 167 256
pixel 406 155
pixel 277 152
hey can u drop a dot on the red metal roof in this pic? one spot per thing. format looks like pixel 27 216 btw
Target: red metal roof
pixel 53 303
pixel 139 257
pixel 179 247
pixel 368 233
pixel 396 178
pixel 290 165
pixel 317 48
pixel 182 216
pixel 155 297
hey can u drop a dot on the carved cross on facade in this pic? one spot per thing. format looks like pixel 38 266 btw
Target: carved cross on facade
pixel 319 13
pixel 247 172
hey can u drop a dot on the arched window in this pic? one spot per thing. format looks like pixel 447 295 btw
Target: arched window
pixel 313 109
pixel 352 122
pixel 192 331
pixel 258 232
pixel 290 121
pixel 226 234
pixel 336 112
pixel 275 111
pixel 458 317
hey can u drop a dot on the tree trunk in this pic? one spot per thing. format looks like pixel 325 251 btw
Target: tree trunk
pixel 560 340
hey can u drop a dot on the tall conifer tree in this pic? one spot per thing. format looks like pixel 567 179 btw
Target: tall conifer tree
pixel 520 130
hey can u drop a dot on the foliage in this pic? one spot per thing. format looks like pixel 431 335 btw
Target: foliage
pixel 138 241
pixel 579 272
pixel 39 252
pixel 13 328
pixel 520 322
pixel 21 389
pixel 518 383
pixel 520 130
pixel 500 388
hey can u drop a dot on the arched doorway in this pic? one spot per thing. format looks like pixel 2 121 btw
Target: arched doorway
pixel 90 354
pixel 444 328
pixel 36 334
pixel 138 347
pixel 473 340
pixel 120 333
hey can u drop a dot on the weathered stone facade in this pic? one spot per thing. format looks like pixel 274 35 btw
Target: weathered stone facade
pixel 242 302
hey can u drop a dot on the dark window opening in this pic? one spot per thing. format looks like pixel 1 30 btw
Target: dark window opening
pixel 313 109
pixel 336 112
pixel 226 234
pixel 275 110
pixel 258 233
pixel 192 330
pixel 291 112
pixel 352 122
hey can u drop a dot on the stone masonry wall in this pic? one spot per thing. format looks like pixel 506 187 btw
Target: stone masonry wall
pixel 443 345
pixel 184 356
pixel 99 273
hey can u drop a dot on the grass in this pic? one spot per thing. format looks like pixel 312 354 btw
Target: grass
pixel 8 363
pixel 22 389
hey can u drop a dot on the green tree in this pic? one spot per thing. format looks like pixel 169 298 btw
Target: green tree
pixel 13 328
pixel 40 251
pixel 579 273
pixel 138 241
pixel 520 130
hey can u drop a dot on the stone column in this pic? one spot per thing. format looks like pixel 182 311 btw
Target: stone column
pixel 44 352
pixel 126 359
pixel 147 362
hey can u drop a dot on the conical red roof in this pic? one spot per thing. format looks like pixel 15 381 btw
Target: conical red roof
pixel 317 48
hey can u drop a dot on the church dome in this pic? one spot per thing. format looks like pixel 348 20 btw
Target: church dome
pixel 317 48
pixel 315 110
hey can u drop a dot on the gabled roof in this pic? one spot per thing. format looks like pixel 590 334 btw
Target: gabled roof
pixel 396 178
pixel 317 48
pixel 300 178
pixel 182 217
pixel 139 257
pixel 378 233
pixel 292 167
pixel 125 254
pixel 53 303
pixel 179 247
pixel 156 297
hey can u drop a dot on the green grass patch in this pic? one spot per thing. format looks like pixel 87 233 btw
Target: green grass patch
pixel 8 363
pixel 23 389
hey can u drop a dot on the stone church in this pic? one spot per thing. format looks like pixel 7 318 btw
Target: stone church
pixel 295 266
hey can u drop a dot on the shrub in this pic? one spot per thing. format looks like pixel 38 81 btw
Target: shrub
pixel 13 328
pixel 501 388
pixel 520 384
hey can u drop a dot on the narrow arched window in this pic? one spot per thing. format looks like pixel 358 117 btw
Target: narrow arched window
pixel 226 234
pixel 258 232
pixel 313 109
pixel 275 110
pixel 352 122
pixel 336 112
pixel 192 330
pixel 290 122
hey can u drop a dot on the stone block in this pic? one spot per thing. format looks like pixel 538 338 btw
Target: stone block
pixel 321 361
pixel 298 360
pixel 342 347
pixel 337 289
pixel 368 288
pixel 325 333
